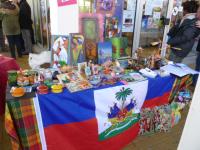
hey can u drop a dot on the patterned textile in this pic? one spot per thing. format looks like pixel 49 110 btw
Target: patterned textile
pixel 180 84
pixel 23 115
pixel 10 129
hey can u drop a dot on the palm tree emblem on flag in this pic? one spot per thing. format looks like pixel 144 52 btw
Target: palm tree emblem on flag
pixel 121 118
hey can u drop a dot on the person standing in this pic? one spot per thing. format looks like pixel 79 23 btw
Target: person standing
pixel 9 14
pixel 25 24
pixel 182 36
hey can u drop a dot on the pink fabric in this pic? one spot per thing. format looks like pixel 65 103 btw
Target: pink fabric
pixel 6 63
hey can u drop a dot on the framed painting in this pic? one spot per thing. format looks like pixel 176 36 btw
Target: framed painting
pixel 92 26
pixel 111 27
pixel 60 50
pixel 77 50
pixel 119 46
pixel 91 50
pixel 104 52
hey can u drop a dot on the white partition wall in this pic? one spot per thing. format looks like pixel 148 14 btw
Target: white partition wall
pixel 190 139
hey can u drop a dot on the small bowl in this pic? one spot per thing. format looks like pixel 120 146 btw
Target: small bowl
pixel 42 89
pixel 17 91
pixel 57 88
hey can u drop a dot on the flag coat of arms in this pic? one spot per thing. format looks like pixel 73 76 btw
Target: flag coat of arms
pixel 118 108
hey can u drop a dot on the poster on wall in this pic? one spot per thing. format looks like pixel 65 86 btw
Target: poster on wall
pixel 60 50
pixel 151 4
pixel 128 21
pixel 66 2
pixel 77 50
pixel 130 4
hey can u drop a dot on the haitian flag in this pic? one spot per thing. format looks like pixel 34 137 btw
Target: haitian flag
pixel 98 119
pixel 118 108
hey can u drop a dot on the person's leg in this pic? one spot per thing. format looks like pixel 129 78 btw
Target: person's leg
pixel 18 45
pixel 174 58
pixel 27 40
pixel 11 43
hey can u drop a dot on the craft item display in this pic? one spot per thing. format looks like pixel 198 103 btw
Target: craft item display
pixel 17 91
pixel 78 85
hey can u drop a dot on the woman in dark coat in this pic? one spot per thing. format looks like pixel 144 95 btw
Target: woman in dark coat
pixel 182 36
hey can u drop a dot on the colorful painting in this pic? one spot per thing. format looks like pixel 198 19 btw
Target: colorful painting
pixel 104 52
pixel 77 49
pixel 112 9
pixel 92 26
pixel 91 50
pixel 105 6
pixel 112 27
pixel 119 46
pixel 60 50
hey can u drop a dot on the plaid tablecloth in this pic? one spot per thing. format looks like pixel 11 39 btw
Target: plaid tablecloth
pixel 21 125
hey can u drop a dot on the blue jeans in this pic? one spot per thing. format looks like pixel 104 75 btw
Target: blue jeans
pixel 197 68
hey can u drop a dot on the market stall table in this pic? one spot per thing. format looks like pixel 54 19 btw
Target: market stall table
pixel 6 64
pixel 68 120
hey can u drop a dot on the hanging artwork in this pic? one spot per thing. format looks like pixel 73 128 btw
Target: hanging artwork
pixel 91 26
pixel 77 49
pixel 60 50
pixel 105 6
pixel 112 27
pixel 104 52
pixel 113 9
pixel 91 50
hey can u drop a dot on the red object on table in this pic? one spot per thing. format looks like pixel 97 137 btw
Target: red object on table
pixel 6 63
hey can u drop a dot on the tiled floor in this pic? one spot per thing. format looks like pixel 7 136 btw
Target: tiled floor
pixel 158 141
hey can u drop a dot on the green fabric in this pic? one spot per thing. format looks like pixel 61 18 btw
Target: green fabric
pixel 10 24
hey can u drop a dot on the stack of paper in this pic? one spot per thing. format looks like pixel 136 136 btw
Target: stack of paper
pixel 179 69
